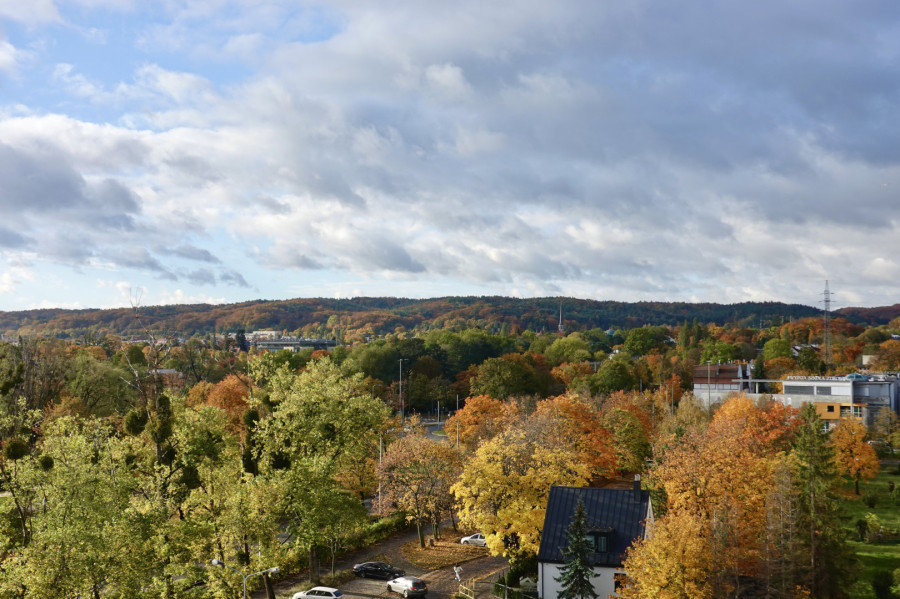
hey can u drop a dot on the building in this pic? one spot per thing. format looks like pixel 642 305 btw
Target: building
pixel 295 344
pixel 616 517
pixel 856 395
pixel 714 382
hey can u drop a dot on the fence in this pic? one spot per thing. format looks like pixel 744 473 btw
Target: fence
pixel 491 588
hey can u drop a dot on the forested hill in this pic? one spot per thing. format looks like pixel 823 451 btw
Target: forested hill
pixel 317 317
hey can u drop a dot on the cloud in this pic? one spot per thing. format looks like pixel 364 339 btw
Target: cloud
pixel 29 13
pixel 621 150
pixel 234 278
pixel 191 252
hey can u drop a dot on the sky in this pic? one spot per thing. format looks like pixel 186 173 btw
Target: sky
pixel 220 151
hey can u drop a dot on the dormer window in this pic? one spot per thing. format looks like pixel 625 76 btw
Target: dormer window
pixel 600 539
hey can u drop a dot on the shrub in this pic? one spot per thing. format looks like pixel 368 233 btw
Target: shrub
pixel 870 498
pixel 874 528
pixel 881 584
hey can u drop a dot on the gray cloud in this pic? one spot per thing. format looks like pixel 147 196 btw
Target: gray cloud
pixel 234 278
pixel 620 149
pixel 191 252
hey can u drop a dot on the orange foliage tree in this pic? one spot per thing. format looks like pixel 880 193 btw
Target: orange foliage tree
pixel 570 420
pixel 230 395
pixel 852 455
pixel 483 417
pixel 722 474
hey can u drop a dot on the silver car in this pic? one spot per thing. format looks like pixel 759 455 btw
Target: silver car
pixel 476 539
pixel 407 585
pixel 319 593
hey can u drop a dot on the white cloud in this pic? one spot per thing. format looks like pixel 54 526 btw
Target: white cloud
pixel 31 13
pixel 178 296
pixel 447 82
pixel 550 148
pixel 9 57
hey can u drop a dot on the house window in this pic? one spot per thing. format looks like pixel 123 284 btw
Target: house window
pixel 830 409
pixel 597 542
pixel 857 411
pixel 600 540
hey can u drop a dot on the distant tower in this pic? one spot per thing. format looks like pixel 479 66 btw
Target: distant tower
pixel 826 332
pixel 561 329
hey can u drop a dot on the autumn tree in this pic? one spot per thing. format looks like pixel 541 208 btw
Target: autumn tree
pixel 230 395
pixel 415 475
pixel 571 421
pixel 675 561
pixel 482 417
pixel 503 489
pixel 852 455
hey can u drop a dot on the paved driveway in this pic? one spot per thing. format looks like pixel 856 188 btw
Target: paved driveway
pixel 441 583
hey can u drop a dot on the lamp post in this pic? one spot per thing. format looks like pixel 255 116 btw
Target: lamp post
pixel 400 391
pixel 218 562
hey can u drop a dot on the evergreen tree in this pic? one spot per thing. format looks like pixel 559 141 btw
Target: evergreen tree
pixel 830 569
pixel 575 576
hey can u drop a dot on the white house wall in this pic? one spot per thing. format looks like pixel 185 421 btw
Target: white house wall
pixel 548 588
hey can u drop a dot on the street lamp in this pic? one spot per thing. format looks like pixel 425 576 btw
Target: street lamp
pixel 218 562
pixel 400 391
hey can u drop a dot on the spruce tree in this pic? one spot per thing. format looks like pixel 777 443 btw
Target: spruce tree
pixel 830 567
pixel 575 577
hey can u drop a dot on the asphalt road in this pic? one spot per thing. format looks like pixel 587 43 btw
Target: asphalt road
pixel 442 583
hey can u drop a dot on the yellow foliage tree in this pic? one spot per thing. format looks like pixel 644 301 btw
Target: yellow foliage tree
pixel 674 562
pixel 504 487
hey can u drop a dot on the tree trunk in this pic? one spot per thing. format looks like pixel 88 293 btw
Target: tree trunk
pixel 313 565
pixel 420 530
pixel 267 584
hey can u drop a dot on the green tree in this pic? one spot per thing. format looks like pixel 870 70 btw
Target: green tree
pixel 615 374
pixel 829 569
pixel 776 348
pixel 641 341
pixel 572 348
pixel 511 375
pixel 321 422
pixel 575 576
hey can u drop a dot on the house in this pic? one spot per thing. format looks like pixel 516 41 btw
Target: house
pixel 713 382
pixel 616 517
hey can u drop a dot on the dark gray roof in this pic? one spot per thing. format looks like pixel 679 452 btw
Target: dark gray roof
pixel 615 508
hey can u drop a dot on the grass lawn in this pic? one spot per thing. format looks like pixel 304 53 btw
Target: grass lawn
pixel 873 556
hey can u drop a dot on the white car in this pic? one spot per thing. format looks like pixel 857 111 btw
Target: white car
pixel 476 539
pixel 319 593
pixel 407 585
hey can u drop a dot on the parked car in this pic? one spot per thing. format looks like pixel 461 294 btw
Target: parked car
pixel 407 585
pixel 377 570
pixel 319 593
pixel 476 539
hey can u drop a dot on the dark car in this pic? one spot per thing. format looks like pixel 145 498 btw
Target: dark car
pixel 377 570
pixel 407 585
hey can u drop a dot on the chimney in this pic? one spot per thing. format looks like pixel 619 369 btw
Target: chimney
pixel 637 488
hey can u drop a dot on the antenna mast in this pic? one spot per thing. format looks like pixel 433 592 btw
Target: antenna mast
pixel 826 332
